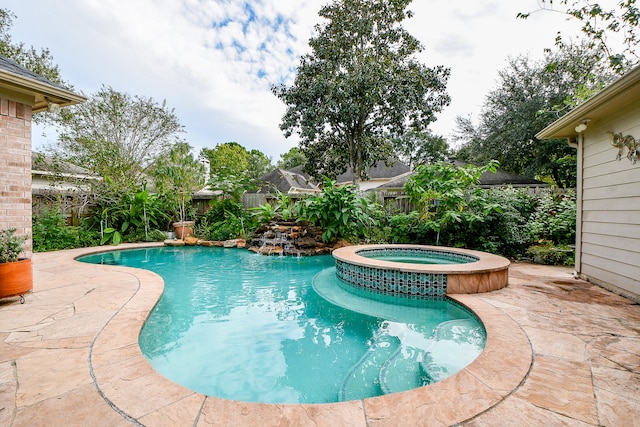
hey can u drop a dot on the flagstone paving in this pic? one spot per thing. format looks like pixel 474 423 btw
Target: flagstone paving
pixel 560 351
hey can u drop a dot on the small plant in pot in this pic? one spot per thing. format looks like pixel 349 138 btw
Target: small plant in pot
pixel 16 275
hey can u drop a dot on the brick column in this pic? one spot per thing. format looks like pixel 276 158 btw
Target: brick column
pixel 15 168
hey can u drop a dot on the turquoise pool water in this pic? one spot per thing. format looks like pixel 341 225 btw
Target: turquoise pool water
pixel 248 327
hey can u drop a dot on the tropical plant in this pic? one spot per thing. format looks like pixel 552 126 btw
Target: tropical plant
pixel 338 210
pixel 226 219
pixel 177 176
pixel 441 192
pixel 139 215
pixel 11 245
pixel 360 83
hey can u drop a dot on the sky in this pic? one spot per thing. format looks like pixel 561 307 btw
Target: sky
pixel 214 61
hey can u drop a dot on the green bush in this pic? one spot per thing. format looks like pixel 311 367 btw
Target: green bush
pixel 339 211
pixel 50 232
pixel 554 219
pixel 545 252
pixel 226 219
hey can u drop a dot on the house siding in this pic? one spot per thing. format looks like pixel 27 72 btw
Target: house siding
pixel 610 254
pixel 15 168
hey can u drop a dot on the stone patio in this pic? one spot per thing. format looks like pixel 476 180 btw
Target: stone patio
pixel 560 351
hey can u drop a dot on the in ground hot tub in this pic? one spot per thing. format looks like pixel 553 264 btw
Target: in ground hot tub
pixel 420 271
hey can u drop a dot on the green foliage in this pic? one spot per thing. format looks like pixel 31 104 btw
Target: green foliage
pixel 418 147
pixel 554 219
pixel 600 24
pixel 230 165
pixel 410 229
pixel 11 245
pixel 282 209
pixel 259 164
pixel 226 219
pixel 177 176
pixel 292 158
pixel 360 84
pixel 546 252
pixel 495 222
pixel 529 96
pixel 50 232
pixel 132 218
pixel 339 211
pixel 117 136
pixel 441 192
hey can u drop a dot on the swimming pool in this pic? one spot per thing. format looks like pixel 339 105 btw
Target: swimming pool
pixel 246 327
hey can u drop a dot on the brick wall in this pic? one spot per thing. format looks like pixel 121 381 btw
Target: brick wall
pixel 15 168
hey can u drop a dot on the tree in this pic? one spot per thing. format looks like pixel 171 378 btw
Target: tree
pixel 531 95
pixel 177 175
pixel 360 84
pixel 117 136
pixel 226 159
pixel 600 24
pixel 292 158
pixel 259 164
pixel 415 147
pixel 233 168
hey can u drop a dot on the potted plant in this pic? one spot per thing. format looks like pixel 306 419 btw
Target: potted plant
pixel 16 275
pixel 177 176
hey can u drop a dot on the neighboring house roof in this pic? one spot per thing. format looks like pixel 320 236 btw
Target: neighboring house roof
pixel 50 174
pixel 285 182
pixel 26 87
pixel 620 93
pixel 378 172
pixel 487 179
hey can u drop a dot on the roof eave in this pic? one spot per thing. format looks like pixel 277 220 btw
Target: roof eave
pixel 37 94
pixel 621 92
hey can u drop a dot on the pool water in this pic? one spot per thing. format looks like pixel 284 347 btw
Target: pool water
pixel 248 327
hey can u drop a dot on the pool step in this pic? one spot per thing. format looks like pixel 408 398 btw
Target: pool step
pixel 401 371
pixel 363 379
pixel 446 333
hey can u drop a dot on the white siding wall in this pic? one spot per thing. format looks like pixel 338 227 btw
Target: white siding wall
pixel 611 206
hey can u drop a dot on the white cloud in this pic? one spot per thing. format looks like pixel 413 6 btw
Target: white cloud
pixel 215 60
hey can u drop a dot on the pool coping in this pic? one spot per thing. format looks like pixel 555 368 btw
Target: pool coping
pixel 120 372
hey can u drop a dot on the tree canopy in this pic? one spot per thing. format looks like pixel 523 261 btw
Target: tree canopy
pixel 233 169
pixel 292 158
pixel 360 84
pixel 602 24
pixel 420 147
pixel 529 96
pixel 116 135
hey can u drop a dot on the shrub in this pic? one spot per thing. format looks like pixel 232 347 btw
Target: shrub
pixel 226 220
pixel 339 211
pixel 554 219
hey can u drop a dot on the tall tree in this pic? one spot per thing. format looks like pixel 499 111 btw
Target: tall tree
pixel 360 84
pixel 259 164
pixel 117 136
pixel 602 23
pixel 233 169
pixel 420 147
pixel 529 96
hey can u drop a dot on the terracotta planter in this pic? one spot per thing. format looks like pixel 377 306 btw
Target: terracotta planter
pixel 16 278
pixel 183 228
